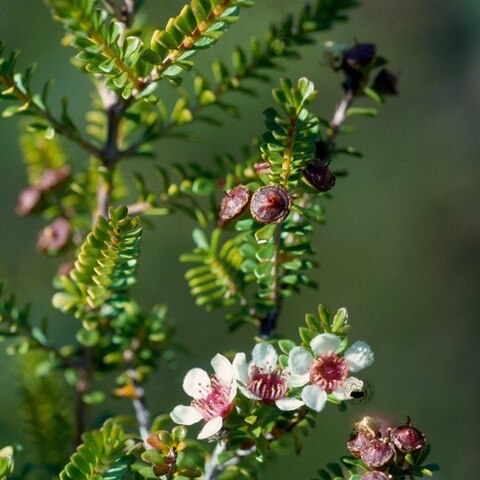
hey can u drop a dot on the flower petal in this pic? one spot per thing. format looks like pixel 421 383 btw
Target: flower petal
pixel 324 343
pixel 350 385
pixel 196 383
pixel 359 355
pixel 185 415
pixel 299 361
pixel 210 428
pixel 248 393
pixel 297 380
pixel 288 404
pixel 314 397
pixel 223 369
pixel 264 356
pixel 241 367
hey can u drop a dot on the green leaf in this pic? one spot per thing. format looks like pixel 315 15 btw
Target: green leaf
pixel 286 345
pixel 265 233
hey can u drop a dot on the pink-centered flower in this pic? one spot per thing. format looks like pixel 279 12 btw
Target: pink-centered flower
pixel 263 379
pixel 212 397
pixel 327 372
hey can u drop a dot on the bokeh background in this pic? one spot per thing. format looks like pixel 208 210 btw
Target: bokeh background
pixel 400 247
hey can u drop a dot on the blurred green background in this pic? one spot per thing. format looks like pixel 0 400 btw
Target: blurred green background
pixel 399 249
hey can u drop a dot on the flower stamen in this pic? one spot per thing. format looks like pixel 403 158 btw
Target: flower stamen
pixel 329 371
pixel 215 401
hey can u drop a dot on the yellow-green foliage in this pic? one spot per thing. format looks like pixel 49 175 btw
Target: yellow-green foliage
pixel 40 154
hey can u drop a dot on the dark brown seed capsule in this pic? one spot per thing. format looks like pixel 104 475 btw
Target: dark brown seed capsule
pixel 375 476
pixel 319 176
pixel 54 237
pixel 28 199
pixel 359 56
pixel 378 453
pixel 270 204
pixel 385 83
pixel 358 443
pixel 407 439
pixel 233 203
pixel 53 177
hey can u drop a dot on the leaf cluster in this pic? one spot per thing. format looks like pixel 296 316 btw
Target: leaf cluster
pixel 104 270
pixel 103 454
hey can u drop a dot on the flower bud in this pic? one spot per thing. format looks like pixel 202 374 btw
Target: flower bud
pixel 375 475
pixel 28 199
pixel 407 439
pixel 233 203
pixel 319 176
pixel 54 237
pixel 378 453
pixel 270 204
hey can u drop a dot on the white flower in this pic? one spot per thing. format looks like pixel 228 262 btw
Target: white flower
pixel 327 372
pixel 212 397
pixel 263 379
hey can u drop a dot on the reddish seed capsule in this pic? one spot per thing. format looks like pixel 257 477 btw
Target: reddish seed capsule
pixel 270 204
pixel 28 199
pixel 375 476
pixel 358 443
pixel 54 237
pixel 378 454
pixel 407 439
pixel 233 203
pixel 319 176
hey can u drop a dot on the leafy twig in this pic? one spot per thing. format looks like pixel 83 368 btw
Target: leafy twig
pixel 66 130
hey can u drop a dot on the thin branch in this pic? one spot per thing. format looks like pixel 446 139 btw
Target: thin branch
pixel 57 125
pixel 212 466
pixel 81 388
pixel 269 323
pixel 139 208
pixel 142 412
pixel 339 117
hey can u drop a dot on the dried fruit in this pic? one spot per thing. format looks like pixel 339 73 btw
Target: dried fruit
pixel 375 475
pixel 407 439
pixel 54 237
pixel 28 199
pixel 233 203
pixel 270 204
pixel 368 425
pixel 378 453
pixel 262 168
pixel 53 177
pixel 358 443
pixel 319 176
